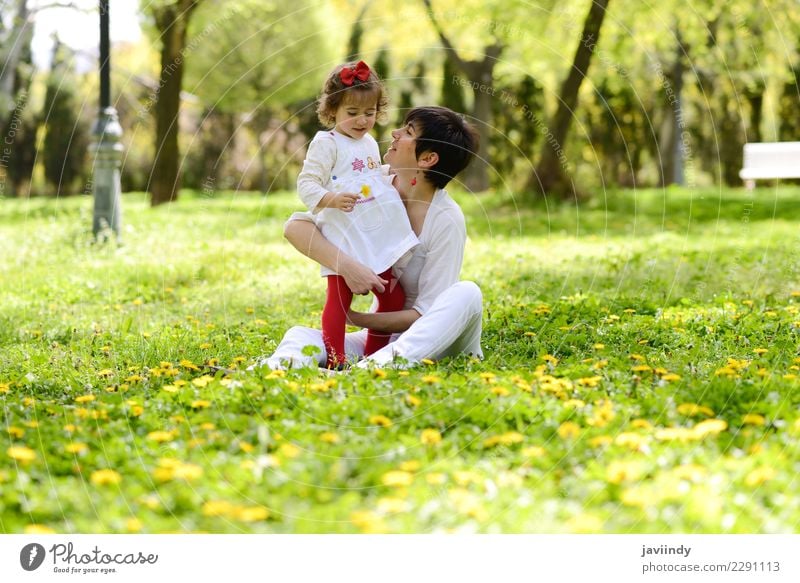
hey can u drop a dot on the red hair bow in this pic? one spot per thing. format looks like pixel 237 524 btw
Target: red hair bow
pixel 350 74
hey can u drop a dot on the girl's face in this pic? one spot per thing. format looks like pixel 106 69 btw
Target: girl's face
pixel 356 117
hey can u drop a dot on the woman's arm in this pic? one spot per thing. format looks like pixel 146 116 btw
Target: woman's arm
pixel 307 238
pixel 398 321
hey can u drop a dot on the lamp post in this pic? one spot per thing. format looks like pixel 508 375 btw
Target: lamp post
pixel 106 148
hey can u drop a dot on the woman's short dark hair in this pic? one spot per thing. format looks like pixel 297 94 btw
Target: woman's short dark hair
pixel 447 133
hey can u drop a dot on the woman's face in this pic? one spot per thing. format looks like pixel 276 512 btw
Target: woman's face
pixel 402 151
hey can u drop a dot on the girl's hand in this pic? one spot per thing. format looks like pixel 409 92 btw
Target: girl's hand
pixel 344 201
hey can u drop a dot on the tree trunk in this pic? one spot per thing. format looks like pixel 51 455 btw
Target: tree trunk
pixel 14 44
pixel 480 78
pixel 671 146
pixel 551 175
pixel 756 101
pixel 172 22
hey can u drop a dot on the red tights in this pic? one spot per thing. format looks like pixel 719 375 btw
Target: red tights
pixel 334 316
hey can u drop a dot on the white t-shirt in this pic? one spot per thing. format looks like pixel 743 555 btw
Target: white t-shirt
pixel 435 264
pixel 377 232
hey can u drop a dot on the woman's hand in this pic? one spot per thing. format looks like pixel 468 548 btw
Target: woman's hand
pixel 307 238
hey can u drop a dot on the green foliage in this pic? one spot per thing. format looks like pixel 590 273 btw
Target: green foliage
pixel 66 136
pixel 641 375
pixel 248 54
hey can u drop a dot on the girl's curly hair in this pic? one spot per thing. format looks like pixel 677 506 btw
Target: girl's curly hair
pixel 335 92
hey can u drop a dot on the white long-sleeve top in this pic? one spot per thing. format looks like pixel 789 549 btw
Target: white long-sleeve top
pixel 435 264
pixel 377 232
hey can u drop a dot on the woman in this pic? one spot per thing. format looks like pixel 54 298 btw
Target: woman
pixel 441 316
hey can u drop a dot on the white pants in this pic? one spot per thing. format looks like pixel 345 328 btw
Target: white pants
pixel 452 326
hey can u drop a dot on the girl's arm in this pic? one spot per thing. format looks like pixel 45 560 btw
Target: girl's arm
pixel 307 238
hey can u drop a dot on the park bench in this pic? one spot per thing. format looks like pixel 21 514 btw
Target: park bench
pixel 767 160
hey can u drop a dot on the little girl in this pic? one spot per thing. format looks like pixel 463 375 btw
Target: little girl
pixel 354 204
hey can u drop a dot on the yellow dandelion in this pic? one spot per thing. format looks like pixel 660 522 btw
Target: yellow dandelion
pixel 251 513
pixel 4 388
pixel 670 377
pixel 641 424
pixel 427 361
pixel 106 477
pixel 636 497
pixel 76 447
pixel 758 476
pixel 380 420
pixel 189 365
pixel 413 400
pixel 410 466
pixel 599 346
pixel 568 430
pixel 365 190
pixel 693 410
pixel 601 441
pixel 368 522
pixel 200 404
pixel 187 472
pixel 21 453
pixel 106 372
pixel 675 434
pixel 85 399
pixel 753 419
pixel 589 381
pixel 430 437
pixel 506 439
pixel 133 525
pixel 329 437
pixel 436 478
pixel 431 379
pixel 16 432
pixel 641 368
pixel 397 478
pixel 629 439
pixel 533 451
pixel 622 471
pixel 289 450
pixel 690 472
pixel 217 508
pixel 390 505
pixel 246 447
pixel 170 388
pixel 500 391
pixel 160 436
pixel 550 359
pixel 584 524
pixel 38 529
pixel 379 373
pixel 202 381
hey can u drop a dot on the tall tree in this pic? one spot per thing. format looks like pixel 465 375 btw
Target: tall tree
pixel 480 77
pixel 551 176
pixel 259 72
pixel 66 137
pixel 172 18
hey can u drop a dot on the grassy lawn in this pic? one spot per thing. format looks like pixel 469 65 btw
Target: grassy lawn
pixel 641 375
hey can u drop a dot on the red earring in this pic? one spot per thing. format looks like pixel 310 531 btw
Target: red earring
pixel 414 181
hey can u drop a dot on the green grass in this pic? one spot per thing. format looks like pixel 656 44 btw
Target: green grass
pixel 608 331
